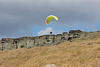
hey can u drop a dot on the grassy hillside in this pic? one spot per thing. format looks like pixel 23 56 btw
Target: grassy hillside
pixel 82 52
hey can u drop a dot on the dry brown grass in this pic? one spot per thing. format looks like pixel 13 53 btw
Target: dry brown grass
pixel 80 53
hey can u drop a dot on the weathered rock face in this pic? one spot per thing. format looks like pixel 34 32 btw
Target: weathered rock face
pixel 25 42
pixel 7 44
pixel 58 39
pixel 45 40
pixel 0 46
pixel 76 33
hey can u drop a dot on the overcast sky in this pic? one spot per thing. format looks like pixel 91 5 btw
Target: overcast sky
pixel 20 18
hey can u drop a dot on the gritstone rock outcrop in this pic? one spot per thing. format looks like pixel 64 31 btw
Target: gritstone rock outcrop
pixel 45 40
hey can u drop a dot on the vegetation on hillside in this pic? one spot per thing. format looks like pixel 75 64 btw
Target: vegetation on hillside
pixel 81 52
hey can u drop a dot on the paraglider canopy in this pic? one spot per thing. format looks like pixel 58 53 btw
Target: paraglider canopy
pixel 49 18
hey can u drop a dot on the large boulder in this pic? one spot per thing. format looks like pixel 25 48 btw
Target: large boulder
pixel 76 33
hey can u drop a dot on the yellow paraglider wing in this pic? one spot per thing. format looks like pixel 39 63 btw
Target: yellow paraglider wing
pixel 49 18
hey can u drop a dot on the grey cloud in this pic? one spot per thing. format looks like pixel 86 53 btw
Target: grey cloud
pixel 16 15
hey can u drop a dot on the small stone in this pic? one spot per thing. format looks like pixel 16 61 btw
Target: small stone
pixel 50 65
